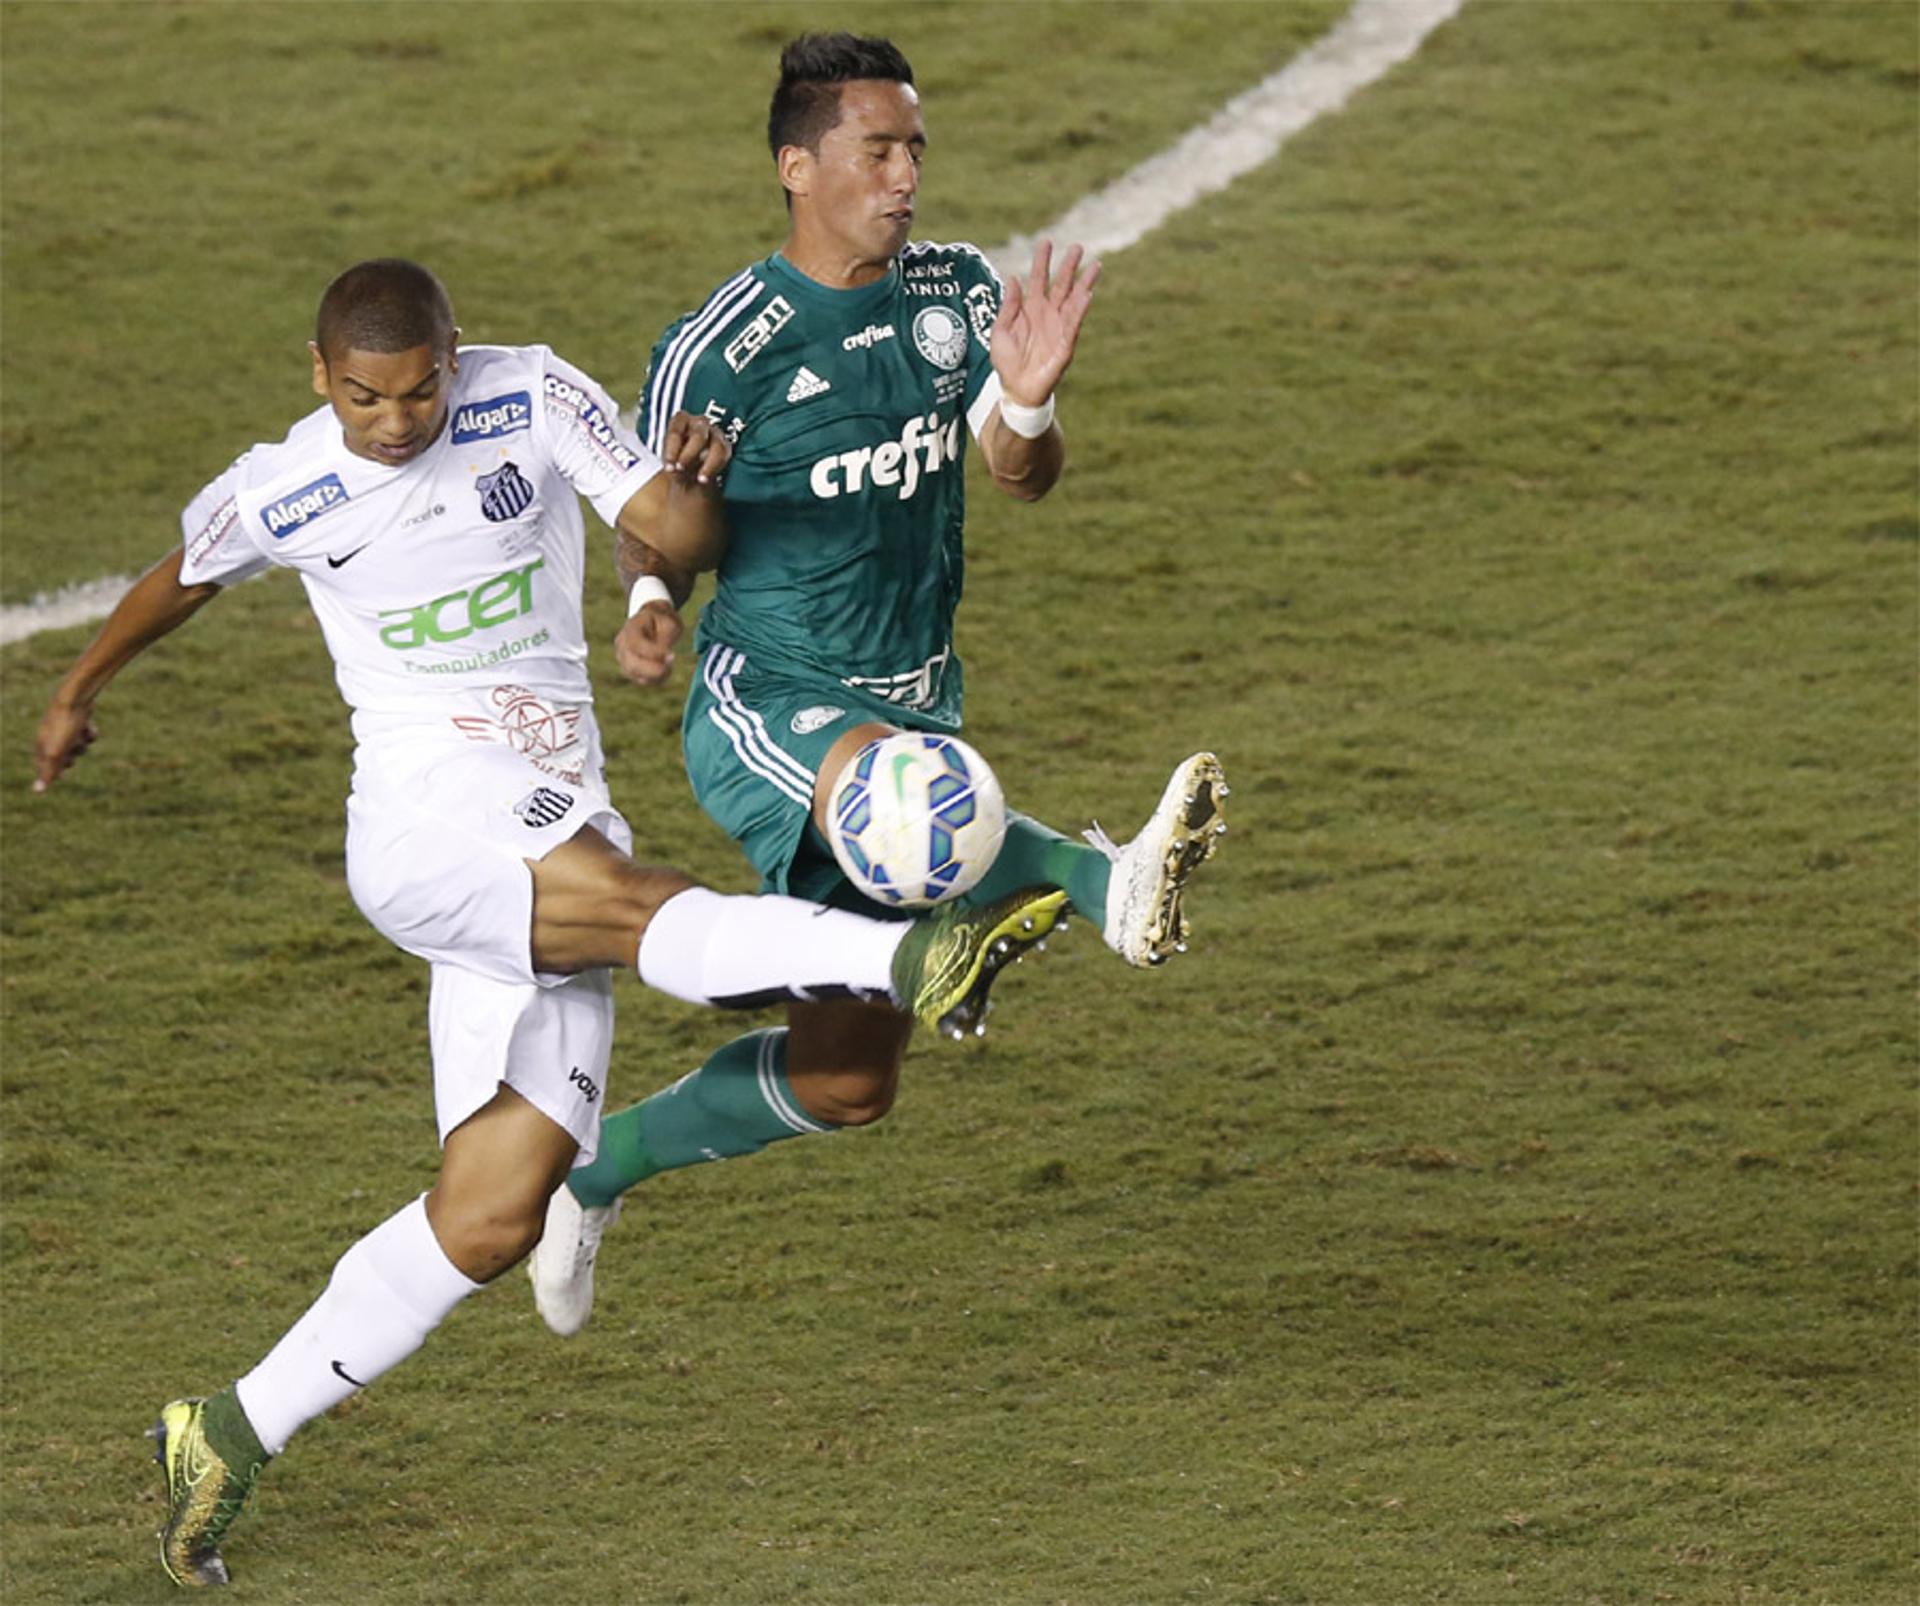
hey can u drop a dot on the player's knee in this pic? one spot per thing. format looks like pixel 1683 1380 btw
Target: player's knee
pixel 485 1237
pixel 639 891
pixel 848 1098
pixel 598 921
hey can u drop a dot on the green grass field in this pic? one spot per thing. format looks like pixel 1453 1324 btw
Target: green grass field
pixel 1513 1196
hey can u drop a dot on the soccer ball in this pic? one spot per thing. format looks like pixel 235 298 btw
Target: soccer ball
pixel 917 819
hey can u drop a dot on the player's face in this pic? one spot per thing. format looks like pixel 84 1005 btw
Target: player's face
pixel 391 405
pixel 861 185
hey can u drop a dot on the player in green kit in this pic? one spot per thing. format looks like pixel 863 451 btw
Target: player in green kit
pixel 848 371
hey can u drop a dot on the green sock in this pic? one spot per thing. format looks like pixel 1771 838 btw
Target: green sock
pixel 737 1103
pixel 231 1434
pixel 1032 855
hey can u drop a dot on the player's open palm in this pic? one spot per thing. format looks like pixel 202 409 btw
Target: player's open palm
pixel 1039 323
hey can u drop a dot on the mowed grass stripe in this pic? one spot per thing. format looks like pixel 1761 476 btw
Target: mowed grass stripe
pixel 1373 37
pixel 1510 1198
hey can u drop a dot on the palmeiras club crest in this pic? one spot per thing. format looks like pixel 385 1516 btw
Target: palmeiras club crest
pixel 940 336
pixel 505 494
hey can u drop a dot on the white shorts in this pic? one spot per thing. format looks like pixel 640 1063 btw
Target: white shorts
pixel 437 859
pixel 437 853
pixel 550 1044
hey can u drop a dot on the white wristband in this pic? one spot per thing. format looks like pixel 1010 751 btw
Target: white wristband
pixel 1030 423
pixel 648 588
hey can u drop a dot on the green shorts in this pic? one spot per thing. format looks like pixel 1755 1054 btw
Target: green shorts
pixel 754 743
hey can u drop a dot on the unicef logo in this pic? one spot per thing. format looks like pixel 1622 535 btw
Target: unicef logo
pixel 940 336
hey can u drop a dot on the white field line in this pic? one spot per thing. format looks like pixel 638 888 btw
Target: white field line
pixel 1374 37
pixel 71 605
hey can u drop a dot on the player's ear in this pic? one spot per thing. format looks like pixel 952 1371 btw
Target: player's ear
pixel 796 169
pixel 319 370
pixel 453 352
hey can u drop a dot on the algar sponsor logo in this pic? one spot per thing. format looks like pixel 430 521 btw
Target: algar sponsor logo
pixel 460 614
pixel 923 448
pixel 497 415
pixel 302 507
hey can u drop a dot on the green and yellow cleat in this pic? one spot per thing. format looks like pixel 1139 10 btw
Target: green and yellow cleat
pixel 944 968
pixel 205 1491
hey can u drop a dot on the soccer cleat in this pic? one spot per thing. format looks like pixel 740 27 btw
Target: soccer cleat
pixel 561 1264
pixel 945 965
pixel 205 1492
pixel 1145 923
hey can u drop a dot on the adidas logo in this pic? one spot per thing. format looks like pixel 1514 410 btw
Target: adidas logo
pixel 806 385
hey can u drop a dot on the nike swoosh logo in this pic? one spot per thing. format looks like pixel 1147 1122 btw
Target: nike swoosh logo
pixel 195 1462
pixel 342 1372
pixel 902 762
pixel 341 563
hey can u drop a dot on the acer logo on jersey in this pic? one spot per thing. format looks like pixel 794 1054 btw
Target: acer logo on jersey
pixel 460 613
pixel 923 447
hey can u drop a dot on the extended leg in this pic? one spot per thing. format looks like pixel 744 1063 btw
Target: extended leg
pixel 594 906
pixel 834 1065
pixel 1136 892
pixel 386 1294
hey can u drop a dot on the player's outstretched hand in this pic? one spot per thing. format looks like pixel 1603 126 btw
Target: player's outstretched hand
pixel 695 449
pixel 65 733
pixel 1039 323
pixel 644 647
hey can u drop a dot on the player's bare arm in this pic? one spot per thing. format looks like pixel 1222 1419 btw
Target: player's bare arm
pixel 157 603
pixel 643 649
pixel 671 528
pixel 635 560
pixel 678 512
pixel 1033 342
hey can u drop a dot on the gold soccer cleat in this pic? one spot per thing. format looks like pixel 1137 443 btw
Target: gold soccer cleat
pixel 945 966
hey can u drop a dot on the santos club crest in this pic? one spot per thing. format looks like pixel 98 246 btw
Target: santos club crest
pixel 504 494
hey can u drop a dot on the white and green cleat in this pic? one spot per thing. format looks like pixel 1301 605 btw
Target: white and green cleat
pixel 1145 922
pixel 561 1264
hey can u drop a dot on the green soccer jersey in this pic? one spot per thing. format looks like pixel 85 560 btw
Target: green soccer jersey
pixel 848 411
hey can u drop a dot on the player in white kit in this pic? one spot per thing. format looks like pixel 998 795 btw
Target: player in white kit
pixel 431 509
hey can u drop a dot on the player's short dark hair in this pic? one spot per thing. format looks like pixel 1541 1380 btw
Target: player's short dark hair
pixel 806 102
pixel 388 304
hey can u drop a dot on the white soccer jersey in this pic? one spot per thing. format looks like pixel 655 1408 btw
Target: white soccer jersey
pixel 448 588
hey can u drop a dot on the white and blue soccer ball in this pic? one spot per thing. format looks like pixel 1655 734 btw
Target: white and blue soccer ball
pixel 917 819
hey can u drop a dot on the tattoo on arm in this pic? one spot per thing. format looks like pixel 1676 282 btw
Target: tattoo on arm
pixel 635 558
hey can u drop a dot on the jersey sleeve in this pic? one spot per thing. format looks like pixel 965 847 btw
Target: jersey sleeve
pixel 686 373
pixel 983 293
pixel 595 453
pixel 217 545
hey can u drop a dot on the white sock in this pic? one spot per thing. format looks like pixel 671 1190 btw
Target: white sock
pixel 745 953
pixel 387 1293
